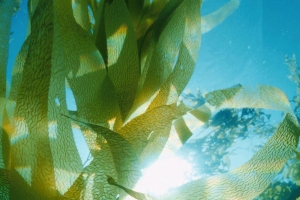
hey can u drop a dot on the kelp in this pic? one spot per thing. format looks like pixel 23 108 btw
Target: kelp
pixel 256 174
pixel 126 64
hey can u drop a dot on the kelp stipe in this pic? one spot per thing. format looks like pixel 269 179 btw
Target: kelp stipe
pixel 126 62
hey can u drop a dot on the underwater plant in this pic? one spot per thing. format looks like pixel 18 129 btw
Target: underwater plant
pixel 126 63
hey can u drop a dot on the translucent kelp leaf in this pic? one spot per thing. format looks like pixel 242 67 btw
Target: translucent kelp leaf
pixel 4 157
pixel 31 6
pixel 163 52
pixel 135 8
pixel 155 17
pixel 81 14
pixel 92 184
pixel 202 113
pixel 126 162
pixel 150 12
pixel 6 14
pixel 17 72
pixel 4 183
pixel 123 64
pixel 39 132
pixel 138 132
pixel 187 57
pixel 94 93
pixel 261 96
pixel 155 145
pixel 215 18
pixel 85 69
pixel 185 125
pixel 31 128
pixel 75 191
pixel 182 129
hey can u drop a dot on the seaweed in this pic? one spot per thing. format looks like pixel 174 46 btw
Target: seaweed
pixel 126 63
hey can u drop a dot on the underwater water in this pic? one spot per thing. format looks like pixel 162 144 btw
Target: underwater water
pixel 256 43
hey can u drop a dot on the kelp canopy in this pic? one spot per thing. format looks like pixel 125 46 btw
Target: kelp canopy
pixel 126 63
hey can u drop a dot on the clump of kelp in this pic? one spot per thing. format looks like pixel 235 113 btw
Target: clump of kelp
pixel 126 63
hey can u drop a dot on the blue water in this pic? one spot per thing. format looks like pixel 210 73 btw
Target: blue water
pixel 249 46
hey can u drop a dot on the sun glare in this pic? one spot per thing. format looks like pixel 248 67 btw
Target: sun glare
pixel 163 175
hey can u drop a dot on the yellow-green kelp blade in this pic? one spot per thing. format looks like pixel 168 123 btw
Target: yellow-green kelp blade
pixel 125 159
pixel 95 97
pixel 215 18
pixel 123 62
pixel 92 184
pixel 162 55
pixel 187 57
pixel 260 96
pixel 146 129
pixel 31 151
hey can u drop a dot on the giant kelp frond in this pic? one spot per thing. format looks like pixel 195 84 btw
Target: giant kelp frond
pixel 124 156
pixel 126 62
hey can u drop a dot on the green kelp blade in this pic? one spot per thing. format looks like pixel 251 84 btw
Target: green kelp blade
pixel 186 124
pixel 156 143
pixel 260 96
pixel 187 57
pixel 5 156
pixel 215 18
pixel 138 132
pixel 85 69
pixel 4 183
pixel 249 180
pixel 81 14
pixel 163 51
pixel 150 12
pixel 125 159
pixel 94 93
pixel 123 62
pixel 170 139
pixel 30 143
pixel 92 184
pixel 99 33
pixel 135 8
pixel 7 118
pixel 75 191
pixel 183 131
pixel 31 6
